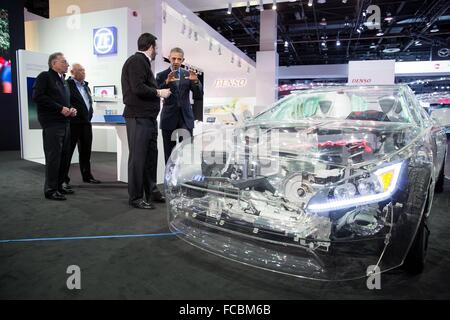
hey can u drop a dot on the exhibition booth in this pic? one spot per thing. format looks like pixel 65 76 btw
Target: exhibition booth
pixel 102 40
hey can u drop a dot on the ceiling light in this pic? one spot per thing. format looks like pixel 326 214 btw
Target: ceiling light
pixel 323 22
pixel 248 7
pixel 310 3
pixel 364 13
pixel 435 29
pixel 418 43
pixel 261 5
pixel 391 50
pixel 321 1
pixel 274 6
pixel 286 44
pixel 338 43
pixel 379 34
pixel 388 17
pixel 373 46
pixel 344 1
pixel 229 8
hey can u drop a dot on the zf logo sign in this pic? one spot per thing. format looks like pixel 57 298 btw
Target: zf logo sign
pixel 105 41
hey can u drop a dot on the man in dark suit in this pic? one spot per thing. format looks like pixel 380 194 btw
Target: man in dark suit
pixel 80 126
pixel 141 97
pixel 52 97
pixel 177 110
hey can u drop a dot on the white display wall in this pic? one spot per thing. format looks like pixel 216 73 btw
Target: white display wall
pixel 76 42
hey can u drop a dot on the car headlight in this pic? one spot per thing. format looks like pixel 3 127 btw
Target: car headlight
pixel 369 188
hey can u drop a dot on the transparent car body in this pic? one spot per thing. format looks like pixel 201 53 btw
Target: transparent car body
pixel 322 185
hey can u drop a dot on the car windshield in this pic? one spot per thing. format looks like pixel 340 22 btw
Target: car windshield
pixel 374 103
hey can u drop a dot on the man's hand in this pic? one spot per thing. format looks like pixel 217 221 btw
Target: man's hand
pixel 192 76
pixel 73 112
pixel 172 77
pixel 66 112
pixel 164 93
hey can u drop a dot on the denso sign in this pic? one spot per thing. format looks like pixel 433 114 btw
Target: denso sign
pixel 361 81
pixel 231 83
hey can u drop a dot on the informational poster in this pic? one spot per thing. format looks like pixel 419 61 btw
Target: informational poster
pixel 375 72
pixel 33 122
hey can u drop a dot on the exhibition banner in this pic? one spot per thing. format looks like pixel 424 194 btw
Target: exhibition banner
pixel 376 72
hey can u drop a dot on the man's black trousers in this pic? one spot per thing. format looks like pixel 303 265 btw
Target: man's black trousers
pixel 56 141
pixel 143 158
pixel 81 135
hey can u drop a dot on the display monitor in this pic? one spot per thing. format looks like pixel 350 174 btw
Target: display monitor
pixel 105 91
pixel 5 53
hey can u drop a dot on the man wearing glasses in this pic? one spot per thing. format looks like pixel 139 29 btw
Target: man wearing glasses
pixel 52 97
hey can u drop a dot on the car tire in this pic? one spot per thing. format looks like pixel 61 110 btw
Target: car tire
pixel 415 260
pixel 439 188
pixel 419 202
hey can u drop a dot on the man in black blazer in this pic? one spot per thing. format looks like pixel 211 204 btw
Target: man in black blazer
pixel 141 97
pixel 177 110
pixel 52 97
pixel 80 126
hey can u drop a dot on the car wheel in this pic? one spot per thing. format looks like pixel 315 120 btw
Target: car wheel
pixel 419 203
pixel 415 260
pixel 440 181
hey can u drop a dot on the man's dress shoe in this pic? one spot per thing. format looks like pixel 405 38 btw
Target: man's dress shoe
pixel 141 204
pixel 91 180
pixel 55 196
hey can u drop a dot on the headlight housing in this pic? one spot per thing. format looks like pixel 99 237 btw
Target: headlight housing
pixel 379 185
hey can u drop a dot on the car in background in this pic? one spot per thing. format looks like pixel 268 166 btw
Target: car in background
pixel 328 184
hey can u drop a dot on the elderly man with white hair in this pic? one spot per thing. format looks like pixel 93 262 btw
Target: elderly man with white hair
pixel 80 126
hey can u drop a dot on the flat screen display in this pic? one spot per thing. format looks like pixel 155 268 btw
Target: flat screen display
pixel 5 53
pixel 104 91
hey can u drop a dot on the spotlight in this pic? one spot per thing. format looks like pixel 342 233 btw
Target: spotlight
pixel 379 34
pixel 274 6
pixel 248 7
pixel 310 3
pixel 418 43
pixel 338 43
pixel 229 8
pixel 344 1
pixel 261 5
pixel 323 22
pixel 389 17
pixel 435 29
pixel 286 44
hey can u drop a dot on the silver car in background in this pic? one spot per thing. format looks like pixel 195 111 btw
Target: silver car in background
pixel 323 185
